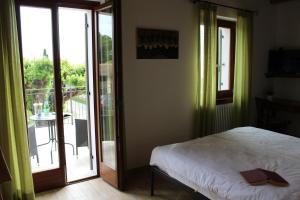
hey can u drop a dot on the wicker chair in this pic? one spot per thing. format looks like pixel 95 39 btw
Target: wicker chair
pixel 33 150
pixel 81 133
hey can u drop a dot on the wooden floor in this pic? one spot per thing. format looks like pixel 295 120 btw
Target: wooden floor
pixel 97 189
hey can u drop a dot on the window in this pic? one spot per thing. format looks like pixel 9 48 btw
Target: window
pixel 225 61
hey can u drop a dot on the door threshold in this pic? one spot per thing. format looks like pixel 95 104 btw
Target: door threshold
pixel 83 180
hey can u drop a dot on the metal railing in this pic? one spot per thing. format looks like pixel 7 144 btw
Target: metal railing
pixel 75 104
pixel 75 101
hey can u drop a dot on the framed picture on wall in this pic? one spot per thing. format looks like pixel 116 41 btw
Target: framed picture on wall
pixel 157 44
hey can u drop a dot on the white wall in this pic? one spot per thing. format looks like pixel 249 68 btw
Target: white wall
pixel 158 94
pixel 263 40
pixel 287 24
pixel 288 36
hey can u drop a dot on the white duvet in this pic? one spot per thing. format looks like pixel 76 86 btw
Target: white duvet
pixel 211 165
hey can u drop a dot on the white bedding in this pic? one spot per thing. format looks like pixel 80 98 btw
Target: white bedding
pixel 211 165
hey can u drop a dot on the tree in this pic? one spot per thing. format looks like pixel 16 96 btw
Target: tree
pixel 105 48
pixel 39 81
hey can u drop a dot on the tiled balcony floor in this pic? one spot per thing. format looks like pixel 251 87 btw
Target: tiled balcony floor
pixel 77 167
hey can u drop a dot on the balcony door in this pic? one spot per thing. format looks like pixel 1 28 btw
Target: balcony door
pixel 57 62
pixel 110 107
pixel 76 64
pixel 71 68
pixel 43 99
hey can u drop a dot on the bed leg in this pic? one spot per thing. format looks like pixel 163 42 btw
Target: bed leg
pixel 152 183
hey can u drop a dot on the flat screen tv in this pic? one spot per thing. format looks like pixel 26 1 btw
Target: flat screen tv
pixel 284 61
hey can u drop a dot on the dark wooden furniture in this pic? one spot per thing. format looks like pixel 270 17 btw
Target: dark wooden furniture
pixel 4 175
pixel 268 116
pixel 155 171
pixel 281 75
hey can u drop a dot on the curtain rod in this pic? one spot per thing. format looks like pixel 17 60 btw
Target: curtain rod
pixel 226 6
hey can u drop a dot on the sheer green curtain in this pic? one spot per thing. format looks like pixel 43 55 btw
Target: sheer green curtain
pixel 205 105
pixel 242 77
pixel 13 136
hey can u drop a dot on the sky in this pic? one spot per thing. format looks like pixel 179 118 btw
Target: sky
pixel 37 33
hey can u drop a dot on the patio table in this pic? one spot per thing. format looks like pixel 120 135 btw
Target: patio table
pixel 50 119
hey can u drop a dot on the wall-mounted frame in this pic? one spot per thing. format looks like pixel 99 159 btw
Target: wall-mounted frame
pixel 157 44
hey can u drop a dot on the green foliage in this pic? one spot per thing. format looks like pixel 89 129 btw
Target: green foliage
pixel 39 80
pixel 105 49
pixel 73 75
pixel 38 73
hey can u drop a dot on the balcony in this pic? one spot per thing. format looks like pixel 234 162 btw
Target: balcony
pixel 43 134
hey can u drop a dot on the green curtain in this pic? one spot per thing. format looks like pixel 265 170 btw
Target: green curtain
pixel 242 77
pixel 13 135
pixel 205 105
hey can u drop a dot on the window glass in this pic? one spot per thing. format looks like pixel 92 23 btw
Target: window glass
pixel 224 58
pixel 39 87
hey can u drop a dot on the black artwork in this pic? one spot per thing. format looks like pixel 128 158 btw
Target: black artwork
pixel 157 44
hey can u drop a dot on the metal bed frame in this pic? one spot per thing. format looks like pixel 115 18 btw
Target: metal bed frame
pixel 156 171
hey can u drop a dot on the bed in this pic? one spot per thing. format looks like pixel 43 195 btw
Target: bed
pixel 210 166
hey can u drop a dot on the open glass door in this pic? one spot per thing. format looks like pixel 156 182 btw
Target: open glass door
pixel 57 49
pixel 110 142
pixel 77 89
pixel 60 65
pixel 39 87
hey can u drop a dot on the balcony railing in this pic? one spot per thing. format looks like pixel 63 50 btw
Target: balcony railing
pixel 75 101
pixel 75 104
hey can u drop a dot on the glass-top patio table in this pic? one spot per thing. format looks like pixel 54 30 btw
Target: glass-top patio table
pixel 50 118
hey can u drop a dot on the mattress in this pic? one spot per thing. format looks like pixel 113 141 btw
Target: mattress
pixel 211 165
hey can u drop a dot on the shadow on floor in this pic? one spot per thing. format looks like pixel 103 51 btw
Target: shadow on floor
pixel 139 183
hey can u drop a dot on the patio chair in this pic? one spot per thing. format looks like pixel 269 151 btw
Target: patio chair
pixel 81 134
pixel 33 150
